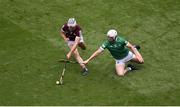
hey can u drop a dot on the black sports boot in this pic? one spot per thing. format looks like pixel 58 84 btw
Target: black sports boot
pixel 85 72
pixel 132 67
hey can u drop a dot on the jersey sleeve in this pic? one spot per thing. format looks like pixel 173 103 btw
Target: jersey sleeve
pixel 62 28
pixel 78 31
pixel 104 45
pixel 124 41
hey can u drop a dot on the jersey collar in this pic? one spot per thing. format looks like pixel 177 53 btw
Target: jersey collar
pixel 116 38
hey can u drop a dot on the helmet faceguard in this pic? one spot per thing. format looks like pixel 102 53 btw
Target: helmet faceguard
pixel 112 34
pixel 71 22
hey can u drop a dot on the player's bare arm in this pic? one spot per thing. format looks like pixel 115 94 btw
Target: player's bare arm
pixel 95 54
pixel 135 51
pixel 73 48
pixel 63 36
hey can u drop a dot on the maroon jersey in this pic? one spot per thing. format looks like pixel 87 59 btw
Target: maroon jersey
pixel 71 33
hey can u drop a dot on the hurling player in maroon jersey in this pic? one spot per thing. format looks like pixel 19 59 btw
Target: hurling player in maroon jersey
pixel 72 35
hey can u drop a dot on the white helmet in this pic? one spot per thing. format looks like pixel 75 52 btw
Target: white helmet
pixel 71 22
pixel 112 33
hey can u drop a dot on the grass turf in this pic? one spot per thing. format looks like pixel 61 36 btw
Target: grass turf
pixel 30 47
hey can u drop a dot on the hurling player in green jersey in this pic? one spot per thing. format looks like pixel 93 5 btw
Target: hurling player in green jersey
pixel 121 50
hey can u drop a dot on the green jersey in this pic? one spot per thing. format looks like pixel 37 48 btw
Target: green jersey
pixel 117 49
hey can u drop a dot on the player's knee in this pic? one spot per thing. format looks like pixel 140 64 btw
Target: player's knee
pixel 141 61
pixel 121 74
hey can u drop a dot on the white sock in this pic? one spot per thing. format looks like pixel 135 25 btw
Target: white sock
pixel 85 68
pixel 129 69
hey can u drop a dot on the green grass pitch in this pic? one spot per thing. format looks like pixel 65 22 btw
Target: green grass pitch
pixel 30 46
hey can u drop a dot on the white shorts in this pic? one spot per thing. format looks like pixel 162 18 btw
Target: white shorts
pixel 129 57
pixel 72 42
